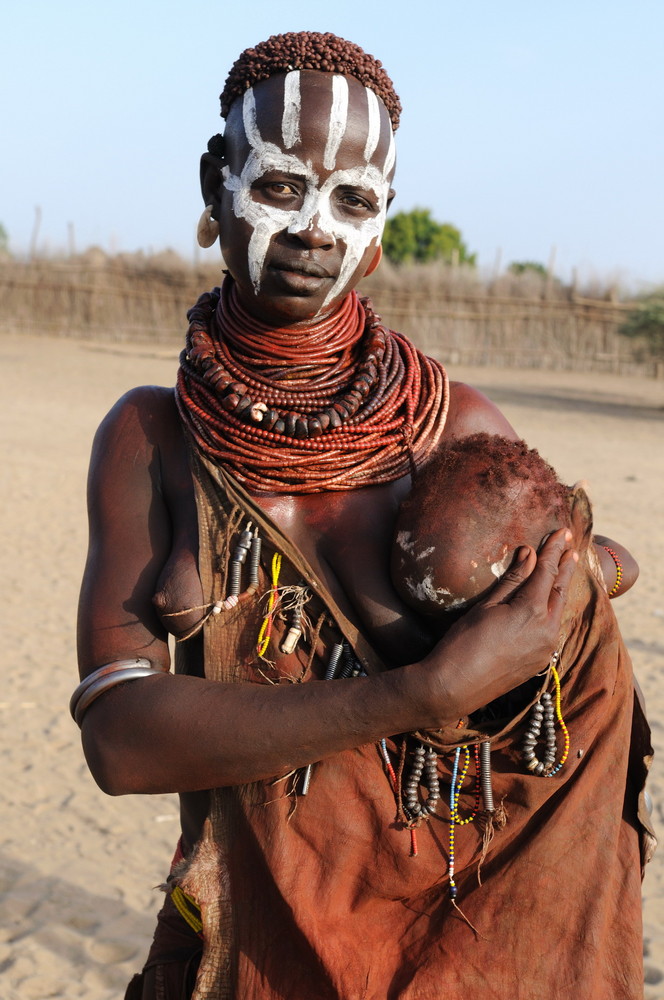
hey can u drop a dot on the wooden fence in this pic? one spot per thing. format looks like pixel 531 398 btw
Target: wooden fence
pixel 478 325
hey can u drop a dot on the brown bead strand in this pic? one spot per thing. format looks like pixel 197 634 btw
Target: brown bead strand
pixel 346 403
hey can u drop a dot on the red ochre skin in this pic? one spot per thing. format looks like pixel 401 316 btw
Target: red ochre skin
pixel 185 734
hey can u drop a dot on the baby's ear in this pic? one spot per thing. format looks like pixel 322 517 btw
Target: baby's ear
pixel 581 516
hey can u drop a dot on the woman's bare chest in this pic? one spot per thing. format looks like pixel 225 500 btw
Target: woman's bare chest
pixel 345 538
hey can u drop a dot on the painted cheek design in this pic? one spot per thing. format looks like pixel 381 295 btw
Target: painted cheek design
pixel 267 220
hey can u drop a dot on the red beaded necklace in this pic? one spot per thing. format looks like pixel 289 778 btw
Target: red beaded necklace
pixel 341 404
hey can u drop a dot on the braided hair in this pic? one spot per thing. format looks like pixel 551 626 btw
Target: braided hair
pixel 309 50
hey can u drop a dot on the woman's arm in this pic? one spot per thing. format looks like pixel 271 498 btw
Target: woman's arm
pixel 182 733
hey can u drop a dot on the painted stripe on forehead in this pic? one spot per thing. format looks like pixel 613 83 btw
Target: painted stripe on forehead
pixel 373 129
pixel 391 156
pixel 249 119
pixel 338 119
pixel 290 122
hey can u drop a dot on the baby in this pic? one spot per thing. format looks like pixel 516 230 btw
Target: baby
pixel 470 508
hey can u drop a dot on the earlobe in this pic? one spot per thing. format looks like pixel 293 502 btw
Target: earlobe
pixel 377 257
pixel 211 180
pixel 207 231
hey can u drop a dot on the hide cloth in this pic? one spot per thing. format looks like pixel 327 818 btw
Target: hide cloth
pixel 318 896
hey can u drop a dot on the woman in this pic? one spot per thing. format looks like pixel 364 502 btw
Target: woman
pixel 295 423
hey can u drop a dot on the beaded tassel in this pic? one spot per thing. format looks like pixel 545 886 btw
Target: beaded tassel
pixel 266 627
pixel 330 671
pixel 254 561
pixel 333 661
pixel 543 715
pixel 485 776
pixel 411 788
pixel 561 721
pixel 425 763
pixel 459 785
pixel 349 662
pixel 454 798
pixel 382 744
pixel 237 562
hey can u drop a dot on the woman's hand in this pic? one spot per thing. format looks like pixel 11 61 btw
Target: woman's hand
pixel 506 638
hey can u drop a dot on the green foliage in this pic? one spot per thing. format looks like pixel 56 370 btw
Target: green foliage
pixel 416 237
pixel 647 321
pixel 528 267
pixel 4 239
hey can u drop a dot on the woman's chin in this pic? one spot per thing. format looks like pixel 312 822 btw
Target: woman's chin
pixel 289 299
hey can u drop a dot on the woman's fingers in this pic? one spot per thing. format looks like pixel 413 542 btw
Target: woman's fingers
pixel 560 588
pixel 525 560
pixel 540 581
pixel 546 587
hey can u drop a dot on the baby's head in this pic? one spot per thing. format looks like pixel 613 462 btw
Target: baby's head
pixel 470 508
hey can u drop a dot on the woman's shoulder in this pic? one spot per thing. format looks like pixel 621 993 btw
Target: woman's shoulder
pixel 146 411
pixel 143 422
pixel 471 412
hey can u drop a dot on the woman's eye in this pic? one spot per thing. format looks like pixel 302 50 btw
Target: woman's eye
pixel 279 189
pixel 356 202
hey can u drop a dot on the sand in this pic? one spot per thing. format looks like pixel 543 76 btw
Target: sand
pixel 77 868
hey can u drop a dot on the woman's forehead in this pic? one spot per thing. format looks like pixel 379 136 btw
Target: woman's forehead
pixel 324 118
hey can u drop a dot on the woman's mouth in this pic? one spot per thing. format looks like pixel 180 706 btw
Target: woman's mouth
pixel 300 275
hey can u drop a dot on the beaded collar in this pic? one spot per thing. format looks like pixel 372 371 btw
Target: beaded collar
pixel 343 404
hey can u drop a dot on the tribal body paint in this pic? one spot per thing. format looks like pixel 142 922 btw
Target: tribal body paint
pixel 317 159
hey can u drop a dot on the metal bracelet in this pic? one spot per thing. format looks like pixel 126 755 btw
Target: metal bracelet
pixel 103 679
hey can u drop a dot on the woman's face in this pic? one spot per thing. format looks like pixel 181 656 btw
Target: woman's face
pixel 304 191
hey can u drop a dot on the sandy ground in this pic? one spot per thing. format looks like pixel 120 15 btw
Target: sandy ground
pixel 77 869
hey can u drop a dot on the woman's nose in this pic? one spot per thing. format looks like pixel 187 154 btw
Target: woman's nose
pixel 312 235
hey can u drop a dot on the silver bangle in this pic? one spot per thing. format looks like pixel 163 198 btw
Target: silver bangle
pixel 103 679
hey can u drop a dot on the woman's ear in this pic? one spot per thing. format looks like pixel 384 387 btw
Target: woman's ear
pixel 211 181
pixel 581 516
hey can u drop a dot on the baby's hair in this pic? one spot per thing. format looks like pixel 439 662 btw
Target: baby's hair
pixel 496 464
pixel 309 50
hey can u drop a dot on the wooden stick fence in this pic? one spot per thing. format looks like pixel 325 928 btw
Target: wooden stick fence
pixel 112 301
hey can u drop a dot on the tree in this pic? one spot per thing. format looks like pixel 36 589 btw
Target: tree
pixel 4 239
pixel 416 237
pixel 647 321
pixel 528 267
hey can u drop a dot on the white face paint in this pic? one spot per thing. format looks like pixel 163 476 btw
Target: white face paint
pixel 498 568
pixel 290 122
pixel 338 119
pixel 424 589
pixel 268 220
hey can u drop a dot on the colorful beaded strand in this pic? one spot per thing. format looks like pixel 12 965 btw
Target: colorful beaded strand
pixel 266 627
pixel 615 589
pixel 382 744
pixel 453 800
pixel 561 721
pixel 544 713
pixel 462 777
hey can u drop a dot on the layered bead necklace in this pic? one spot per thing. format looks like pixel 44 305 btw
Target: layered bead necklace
pixel 337 405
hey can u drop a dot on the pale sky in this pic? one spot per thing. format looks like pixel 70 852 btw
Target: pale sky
pixel 529 126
